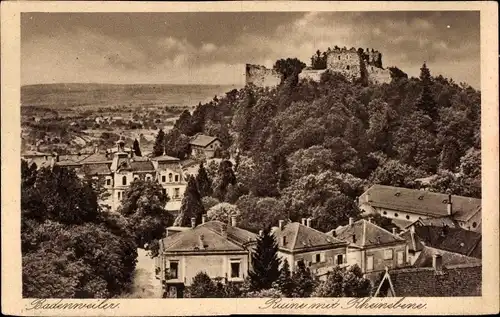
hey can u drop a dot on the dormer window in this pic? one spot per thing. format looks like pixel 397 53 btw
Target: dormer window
pixel 397 194
pixel 420 197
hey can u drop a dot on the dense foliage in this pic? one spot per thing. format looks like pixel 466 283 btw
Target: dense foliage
pixel 308 149
pixel 71 247
pixel 265 262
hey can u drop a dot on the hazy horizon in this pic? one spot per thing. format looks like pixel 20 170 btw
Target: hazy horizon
pixel 197 48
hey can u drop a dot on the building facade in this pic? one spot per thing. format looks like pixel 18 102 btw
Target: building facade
pixel 222 251
pixel 204 146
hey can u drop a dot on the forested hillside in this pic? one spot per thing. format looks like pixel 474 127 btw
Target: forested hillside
pixel 309 149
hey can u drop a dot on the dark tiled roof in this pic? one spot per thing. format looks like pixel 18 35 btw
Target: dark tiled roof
pixel 450 239
pixel 300 237
pixel 421 202
pixel 96 169
pixel 448 258
pixel 95 158
pixel 176 167
pixel 413 241
pixel 367 234
pixel 202 140
pixel 460 280
pixel 436 222
pixel 142 166
pixel 211 236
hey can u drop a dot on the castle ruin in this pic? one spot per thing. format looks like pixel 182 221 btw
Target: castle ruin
pixel 353 64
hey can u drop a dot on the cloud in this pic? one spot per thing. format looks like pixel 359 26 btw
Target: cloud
pixel 208 52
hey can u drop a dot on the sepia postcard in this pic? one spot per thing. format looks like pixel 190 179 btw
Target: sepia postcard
pixel 217 158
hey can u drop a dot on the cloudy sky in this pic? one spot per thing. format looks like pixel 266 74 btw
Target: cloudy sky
pixel 212 48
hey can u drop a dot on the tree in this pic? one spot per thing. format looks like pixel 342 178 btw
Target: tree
pixel 183 123
pixel 176 144
pixel 159 145
pixel 285 284
pixel 393 173
pixel 208 202
pixel 71 248
pixel 144 208
pixel 289 67
pixel 191 205
pixel 203 182
pixel 137 150
pixel 223 212
pixel 426 101
pixel 225 176
pixel 265 262
pixel 256 213
pixel 202 287
pixel 303 280
pixel 342 282
pixel 337 211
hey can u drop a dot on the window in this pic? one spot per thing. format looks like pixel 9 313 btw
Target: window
pixel 340 259
pixel 176 178
pixel 369 263
pixel 163 178
pixel 174 269
pixel 388 254
pixel 400 257
pixel 347 67
pixel 119 195
pixel 318 258
pixel 385 212
pixel 124 180
pixel 170 177
pixel 339 57
pixel 299 263
pixel 108 182
pixel 176 193
pixel 474 224
pixel 396 214
pixel 407 217
pixel 235 269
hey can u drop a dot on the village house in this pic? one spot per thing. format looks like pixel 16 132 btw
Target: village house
pixel 204 146
pixel 455 240
pixel 222 251
pixel 405 206
pixel 119 167
pixel 371 247
pixel 299 242
pixel 439 280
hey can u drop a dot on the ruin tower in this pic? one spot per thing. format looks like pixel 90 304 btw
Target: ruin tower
pixel 346 62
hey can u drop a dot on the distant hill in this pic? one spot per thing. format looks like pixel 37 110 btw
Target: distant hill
pixel 64 95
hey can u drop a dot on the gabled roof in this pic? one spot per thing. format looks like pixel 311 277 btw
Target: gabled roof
pixel 142 166
pixel 176 167
pixel 457 280
pixel 455 240
pixel 164 158
pixel 208 237
pixel 421 202
pixel 366 234
pixel 96 169
pixel 202 140
pixel 300 237
pixel 448 258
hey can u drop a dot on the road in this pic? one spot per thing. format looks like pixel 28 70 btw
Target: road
pixel 145 284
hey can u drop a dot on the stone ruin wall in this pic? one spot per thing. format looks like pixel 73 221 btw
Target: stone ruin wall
pixel 261 76
pixel 346 62
pixel 378 75
pixel 311 74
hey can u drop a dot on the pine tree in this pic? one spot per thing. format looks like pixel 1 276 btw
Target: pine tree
pixel 265 262
pixel 203 182
pixel 137 149
pixel 191 205
pixel 304 282
pixel 426 101
pixel 158 148
pixel 285 282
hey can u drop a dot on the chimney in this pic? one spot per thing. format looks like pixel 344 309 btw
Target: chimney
pixel 202 242
pixel 261 233
pixel 353 238
pixel 233 221
pixel 351 221
pixel 437 262
pixel 450 206
pixel 309 222
pixel 412 229
pixel 280 224
pixel 394 231
pixel 203 218
pixel 304 221
pixel 193 222
pixel 224 229
pixel 370 219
